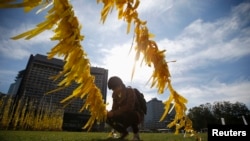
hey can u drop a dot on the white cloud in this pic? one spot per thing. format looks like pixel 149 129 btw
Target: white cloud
pixel 14 53
pixel 21 48
pixel 217 91
pixel 202 43
pixel 91 19
pixel 157 6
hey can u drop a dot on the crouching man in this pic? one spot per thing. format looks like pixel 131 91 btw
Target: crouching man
pixel 123 113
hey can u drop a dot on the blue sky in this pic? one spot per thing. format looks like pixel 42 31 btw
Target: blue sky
pixel 208 39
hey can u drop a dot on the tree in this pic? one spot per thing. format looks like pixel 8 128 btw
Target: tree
pixel 201 116
pixel 211 114
pixel 231 112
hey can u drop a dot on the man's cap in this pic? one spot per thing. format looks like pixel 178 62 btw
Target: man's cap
pixel 114 82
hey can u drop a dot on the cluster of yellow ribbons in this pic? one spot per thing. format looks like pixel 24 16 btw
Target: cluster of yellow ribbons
pixel 77 65
pixel 151 55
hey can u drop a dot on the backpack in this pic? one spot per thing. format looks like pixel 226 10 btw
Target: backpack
pixel 142 104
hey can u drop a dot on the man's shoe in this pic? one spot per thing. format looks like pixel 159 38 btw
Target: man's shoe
pixel 123 135
pixel 136 137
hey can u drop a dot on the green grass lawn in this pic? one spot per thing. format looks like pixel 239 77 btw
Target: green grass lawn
pixel 86 136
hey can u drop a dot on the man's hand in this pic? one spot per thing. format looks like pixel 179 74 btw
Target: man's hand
pixel 110 114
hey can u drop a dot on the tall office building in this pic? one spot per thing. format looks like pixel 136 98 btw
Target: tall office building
pixel 35 83
pixel 155 109
pixel 14 86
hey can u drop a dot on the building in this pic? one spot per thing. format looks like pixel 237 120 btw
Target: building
pixel 2 95
pixel 35 83
pixel 14 86
pixel 155 109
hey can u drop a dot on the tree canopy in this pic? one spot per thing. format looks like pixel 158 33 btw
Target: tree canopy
pixel 233 113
